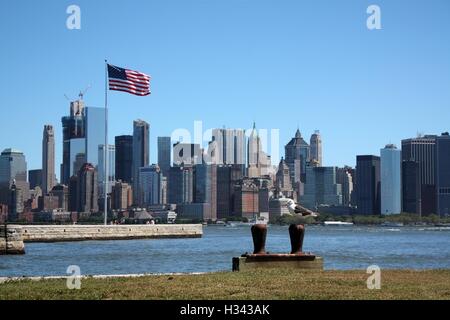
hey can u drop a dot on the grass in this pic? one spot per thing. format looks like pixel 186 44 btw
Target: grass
pixel 263 285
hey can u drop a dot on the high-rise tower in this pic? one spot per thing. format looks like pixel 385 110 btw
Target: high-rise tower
pixel 48 159
pixel 141 153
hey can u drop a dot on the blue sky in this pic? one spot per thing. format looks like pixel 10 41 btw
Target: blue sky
pixel 312 64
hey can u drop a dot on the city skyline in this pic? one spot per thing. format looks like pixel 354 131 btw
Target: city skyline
pixel 385 85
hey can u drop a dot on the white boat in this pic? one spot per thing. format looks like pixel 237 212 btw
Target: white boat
pixel 337 223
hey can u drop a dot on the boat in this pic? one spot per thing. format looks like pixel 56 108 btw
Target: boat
pixel 337 223
pixel 392 224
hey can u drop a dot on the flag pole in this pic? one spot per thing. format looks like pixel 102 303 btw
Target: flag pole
pixel 106 177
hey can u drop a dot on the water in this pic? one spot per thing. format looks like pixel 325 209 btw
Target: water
pixel 354 247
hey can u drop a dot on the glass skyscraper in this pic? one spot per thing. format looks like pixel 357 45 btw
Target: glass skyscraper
pixel 141 153
pixel 391 180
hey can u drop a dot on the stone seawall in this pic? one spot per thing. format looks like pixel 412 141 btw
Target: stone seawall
pixel 47 233
pixel 13 243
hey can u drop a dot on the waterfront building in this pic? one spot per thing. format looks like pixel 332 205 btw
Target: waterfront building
pixel 368 184
pixel 391 180
pixel 101 168
pixel 422 151
pixel 74 141
pixel 87 191
pixel 121 196
pixel 316 148
pixel 321 188
pixel 48 159
pixel 151 186
pixel 181 185
pixel 124 158
pixel 443 174
pixel 13 170
pixel 227 177
pixel 228 147
pixel 297 156
pixel 345 177
pixel 258 161
pixel 35 178
pixel 205 188
pixel 141 153
pixel 164 154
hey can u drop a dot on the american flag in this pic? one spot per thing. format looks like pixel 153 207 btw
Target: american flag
pixel 130 81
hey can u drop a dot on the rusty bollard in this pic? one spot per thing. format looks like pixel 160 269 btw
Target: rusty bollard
pixel 259 234
pixel 296 232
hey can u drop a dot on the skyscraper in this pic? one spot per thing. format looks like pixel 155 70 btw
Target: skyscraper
pixel 164 151
pixel 229 146
pixel 35 178
pixel 258 161
pixel 422 150
pixel 124 158
pixel 48 159
pixel 121 196
pixel 316 148
pixel 181 185
pixel 101 168
pixel 205 188
pixel 321 188
pixel 151 186
pixel 87 195
pixel 391 180
pixel 13 170
pixel 141 153
pixel 368 184
pixel 297 155
pixel 344 177
pixel 283 180
pixel 74 142
pixel 227 177
pixel 443 174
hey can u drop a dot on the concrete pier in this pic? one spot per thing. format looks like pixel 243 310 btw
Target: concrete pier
pixel 18 234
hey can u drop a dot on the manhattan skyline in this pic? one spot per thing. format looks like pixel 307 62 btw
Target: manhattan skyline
pixel 229 64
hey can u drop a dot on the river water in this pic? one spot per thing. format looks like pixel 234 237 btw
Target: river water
pixel 349 247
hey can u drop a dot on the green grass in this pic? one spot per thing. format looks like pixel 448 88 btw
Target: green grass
pixel 261 285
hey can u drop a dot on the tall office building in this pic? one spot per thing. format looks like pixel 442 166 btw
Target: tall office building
pixel 141 153
pixel 48 159
pixel 87 193
pixel 391 180
pixel 164 152
pixel 283 183
pixel 121 197
pixel 101 168
pixel 181 185
pixel 35 178
pixel 316 148
pixel 297 156
pixel 151 186
pixel 227 177
pixel 344 177
pixel 422 151
pixel 443 174
pixel 13 170
pixel 124 158
pixel 205 188
pixel 228 147
pixel 15 203
pixel 321 188
pixel 74 141
pixel 258 161
pixel 368 185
